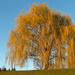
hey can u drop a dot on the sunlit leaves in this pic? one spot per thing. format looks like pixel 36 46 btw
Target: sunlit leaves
pixel 44 35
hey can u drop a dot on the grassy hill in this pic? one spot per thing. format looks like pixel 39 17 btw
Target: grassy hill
pixel 41 72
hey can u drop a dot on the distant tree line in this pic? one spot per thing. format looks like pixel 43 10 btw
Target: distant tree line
pixel 4 69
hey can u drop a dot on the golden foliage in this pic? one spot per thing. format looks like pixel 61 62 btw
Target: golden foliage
pixel 44 35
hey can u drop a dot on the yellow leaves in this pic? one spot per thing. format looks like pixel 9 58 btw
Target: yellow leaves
pixel 18 56
pixel 26 38
pixel 66 30
pixel 72 43
pixel 73 26
pixel 47 27
pixel 17 21
pixel 44 32
pixel 68 17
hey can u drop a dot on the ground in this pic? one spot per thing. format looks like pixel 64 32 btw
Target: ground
pixel 41 72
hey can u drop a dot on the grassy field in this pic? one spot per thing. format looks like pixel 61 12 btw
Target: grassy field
pixel 41 72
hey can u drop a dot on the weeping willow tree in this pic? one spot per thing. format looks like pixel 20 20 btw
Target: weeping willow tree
pixel 44 35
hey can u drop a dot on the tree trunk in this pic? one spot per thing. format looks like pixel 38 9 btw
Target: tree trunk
pixel 46 64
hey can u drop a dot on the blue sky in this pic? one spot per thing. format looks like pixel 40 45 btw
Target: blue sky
pixel 10 9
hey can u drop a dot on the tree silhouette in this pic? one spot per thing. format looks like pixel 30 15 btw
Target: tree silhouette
pixel 0 69
pixel 4 68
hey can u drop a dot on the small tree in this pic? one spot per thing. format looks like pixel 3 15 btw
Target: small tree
pixel 13 69
pixel 4 69
pixel 9 69
pixel 0 69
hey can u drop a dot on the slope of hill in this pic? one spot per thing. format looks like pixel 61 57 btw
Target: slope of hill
pixel 41 72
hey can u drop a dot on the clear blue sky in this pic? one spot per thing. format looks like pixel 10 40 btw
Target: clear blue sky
pixel 10 9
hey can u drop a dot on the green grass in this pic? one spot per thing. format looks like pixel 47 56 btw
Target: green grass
pixel 41 72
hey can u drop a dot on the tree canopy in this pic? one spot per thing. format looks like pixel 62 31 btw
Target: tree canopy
pixel 44 35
